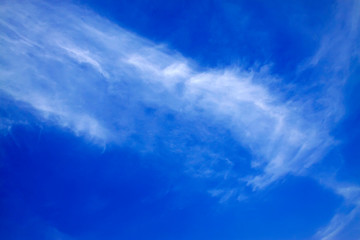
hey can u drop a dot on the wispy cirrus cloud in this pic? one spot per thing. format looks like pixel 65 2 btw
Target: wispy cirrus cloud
pixel 339 49
pixel 347 215
pixel 89 75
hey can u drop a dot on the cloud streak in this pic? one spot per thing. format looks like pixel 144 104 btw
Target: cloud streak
pixel 338 51
pixel 348 214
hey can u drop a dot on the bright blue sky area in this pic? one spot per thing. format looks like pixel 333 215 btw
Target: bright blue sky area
pixel 179 120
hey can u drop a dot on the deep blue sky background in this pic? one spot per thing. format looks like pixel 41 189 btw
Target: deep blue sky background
pixel 182 172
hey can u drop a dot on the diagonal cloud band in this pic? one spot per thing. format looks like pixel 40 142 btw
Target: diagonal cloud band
pixel 94 77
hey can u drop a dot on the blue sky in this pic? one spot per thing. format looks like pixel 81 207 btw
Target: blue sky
pixel 179 120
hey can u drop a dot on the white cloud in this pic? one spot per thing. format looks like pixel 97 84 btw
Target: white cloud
pixel 338 50
pixel 349 213
pixel 91 76
pixel 340 44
